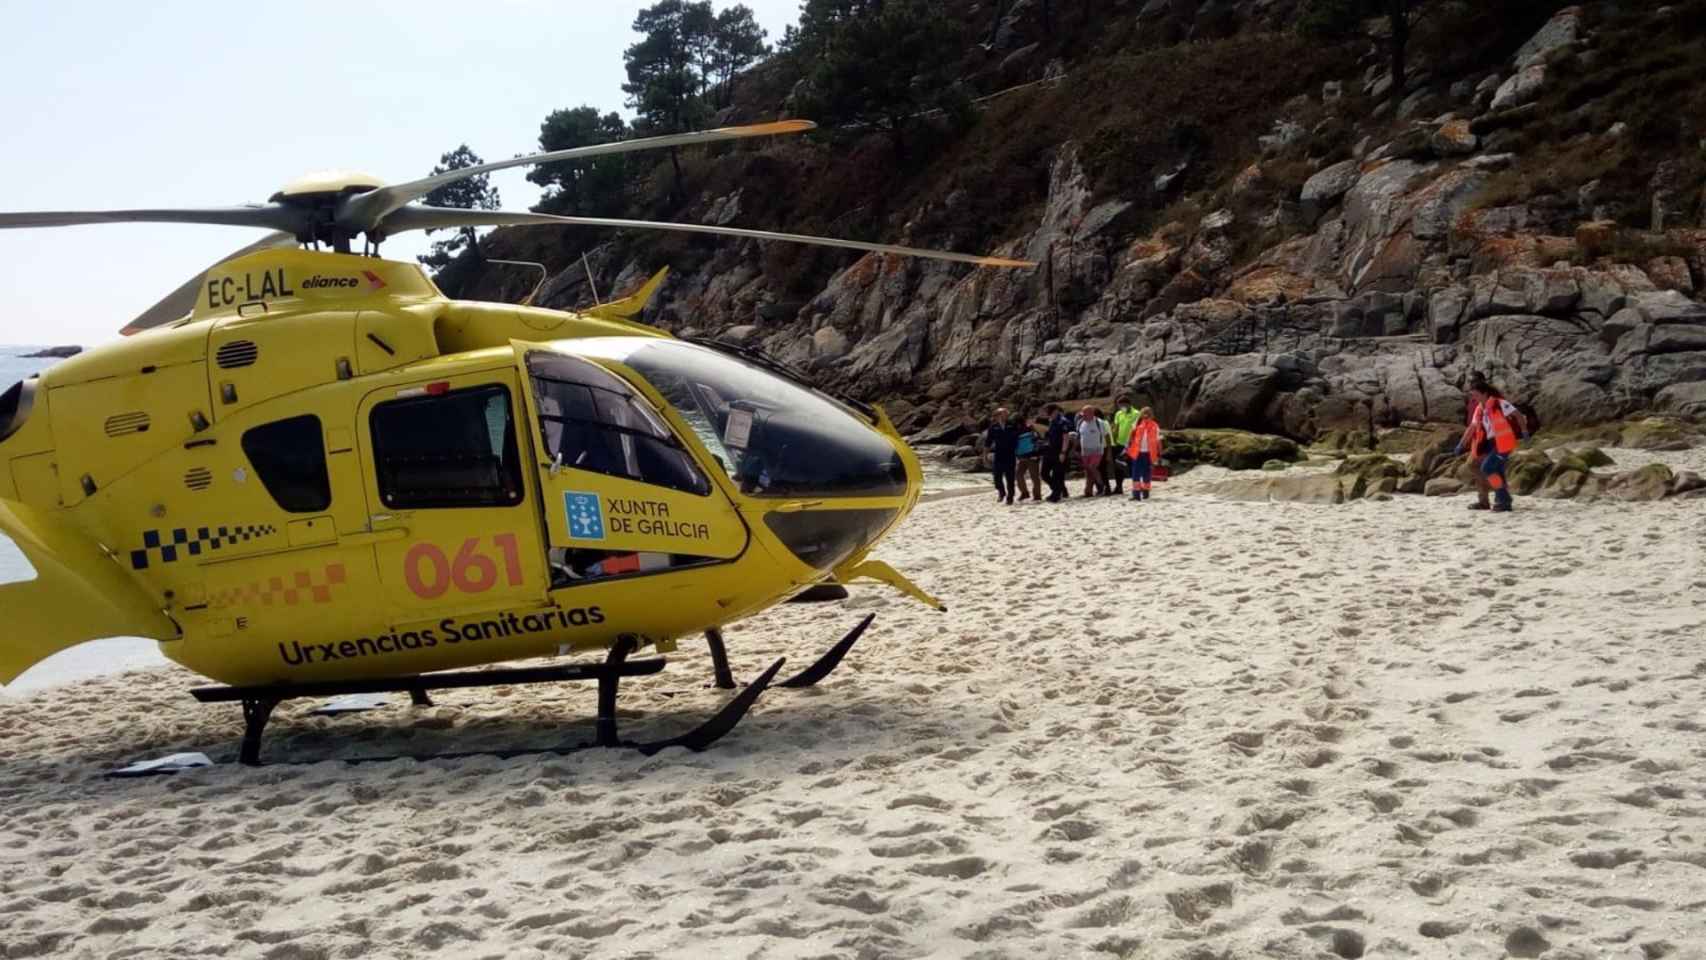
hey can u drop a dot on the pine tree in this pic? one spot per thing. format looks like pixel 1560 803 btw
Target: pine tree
pixel 596 186
pixel 664 78
pixel 878 62
pixel 737 43
pixel 472 193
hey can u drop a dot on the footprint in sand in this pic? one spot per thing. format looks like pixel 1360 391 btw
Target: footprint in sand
pixel 1526 942
pixel 1252 858
pixel 1606 859
pixel 1197 904
pixel 1441 929
pixel 1342 942
pixel 963 868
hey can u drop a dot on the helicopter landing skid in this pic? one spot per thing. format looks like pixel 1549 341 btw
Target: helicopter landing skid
pixel 808 677
pixel 258 702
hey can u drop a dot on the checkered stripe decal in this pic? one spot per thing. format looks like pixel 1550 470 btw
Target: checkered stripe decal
pixel 287 591
pixel 170 546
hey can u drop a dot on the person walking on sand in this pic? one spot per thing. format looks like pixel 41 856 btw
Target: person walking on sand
pixel 1092 441
pixel 1143 450
pixel 1001 442
pixel 1054 452
pixel 1483 493
pixel 1125 418
pixel 1109 453
pixel 1494 431
pixel 1029 453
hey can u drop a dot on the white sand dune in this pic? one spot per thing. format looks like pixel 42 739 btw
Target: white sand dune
pixel 1187 728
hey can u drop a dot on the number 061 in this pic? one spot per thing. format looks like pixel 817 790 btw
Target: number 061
pixel 430 573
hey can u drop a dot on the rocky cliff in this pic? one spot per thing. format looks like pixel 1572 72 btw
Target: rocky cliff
pixel 1237 225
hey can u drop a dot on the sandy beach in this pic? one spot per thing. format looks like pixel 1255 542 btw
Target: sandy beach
pixel 1189 728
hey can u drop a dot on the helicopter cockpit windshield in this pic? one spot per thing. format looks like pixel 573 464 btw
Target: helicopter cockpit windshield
pixel 772 436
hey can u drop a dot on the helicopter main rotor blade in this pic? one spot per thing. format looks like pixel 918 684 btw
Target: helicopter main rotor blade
pixel 274 216
pixel 182 300
pixel 433 218
pixel 364 211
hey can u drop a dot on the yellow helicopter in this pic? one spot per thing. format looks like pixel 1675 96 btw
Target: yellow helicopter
pixel 310 473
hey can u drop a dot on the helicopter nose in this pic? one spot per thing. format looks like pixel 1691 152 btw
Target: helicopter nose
pixel 824 537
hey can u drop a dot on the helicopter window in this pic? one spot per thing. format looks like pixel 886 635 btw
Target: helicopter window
pixel 456 449
pixel 773 436
pixel 290 458
pixel 589 419
pixel 572 567
pixel 15 406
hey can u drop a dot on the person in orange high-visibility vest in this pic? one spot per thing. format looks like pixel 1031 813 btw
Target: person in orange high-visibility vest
pixel 1483 493
pixel 1493 433
pixel 1143 451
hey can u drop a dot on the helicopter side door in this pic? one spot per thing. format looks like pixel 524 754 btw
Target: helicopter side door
pixel 445 474
pixel 622 495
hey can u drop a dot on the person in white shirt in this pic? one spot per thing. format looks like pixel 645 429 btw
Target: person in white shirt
pixel 1092 443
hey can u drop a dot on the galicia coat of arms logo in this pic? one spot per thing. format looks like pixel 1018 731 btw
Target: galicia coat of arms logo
pixel 585 514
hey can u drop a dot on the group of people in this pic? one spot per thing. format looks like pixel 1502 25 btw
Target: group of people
pixel 1026 456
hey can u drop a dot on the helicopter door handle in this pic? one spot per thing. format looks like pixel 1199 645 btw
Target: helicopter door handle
pixel 375 536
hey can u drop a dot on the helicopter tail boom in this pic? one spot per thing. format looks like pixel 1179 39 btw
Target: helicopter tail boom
pixel 78 593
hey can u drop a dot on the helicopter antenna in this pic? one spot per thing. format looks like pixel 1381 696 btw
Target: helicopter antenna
pixel 544 274
pixel 589 281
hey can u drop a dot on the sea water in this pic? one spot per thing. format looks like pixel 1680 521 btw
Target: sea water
pixel 86 660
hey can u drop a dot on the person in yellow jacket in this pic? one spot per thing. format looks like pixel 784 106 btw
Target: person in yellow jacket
pixel 1143 450
pixel 1124 419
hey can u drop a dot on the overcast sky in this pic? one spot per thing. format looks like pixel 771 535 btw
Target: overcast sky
pixel 172 103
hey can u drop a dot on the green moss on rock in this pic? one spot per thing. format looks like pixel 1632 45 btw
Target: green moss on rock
pixel 1528 471
pixel 1585 460
pixel 1232 449
pixel 1412 439
pixel 1344 441
pixel 1604 434
pixel 1565 484
pixel 1438 458
pixel 1650 433
pixel 1368 475
pixel 1657 433
pixel 1595 458
pixel 1370 465
pixel 1651 482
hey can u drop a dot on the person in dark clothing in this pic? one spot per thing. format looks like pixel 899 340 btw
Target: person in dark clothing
pixel 1109 474
pixel 1059 427
pixel 1001 441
